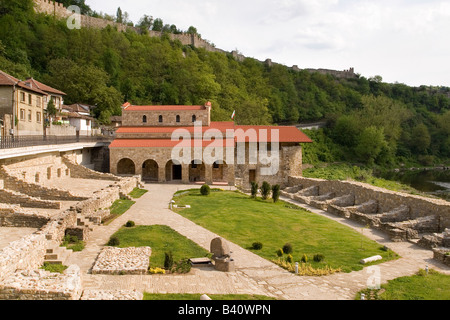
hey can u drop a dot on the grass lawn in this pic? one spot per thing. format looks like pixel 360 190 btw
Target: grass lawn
pixel 196 297
pixel 161 239
pixel 118 208
pixel 243 220
pixel 434 286
pixel 137 193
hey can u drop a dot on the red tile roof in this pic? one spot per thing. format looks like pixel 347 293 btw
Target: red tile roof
pixel 8 80
pixel 241 133
pixel 167 143
pixel 44 87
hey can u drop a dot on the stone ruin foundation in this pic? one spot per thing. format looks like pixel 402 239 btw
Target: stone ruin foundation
pixel 23 205
pixel 403 217
pixel 117 261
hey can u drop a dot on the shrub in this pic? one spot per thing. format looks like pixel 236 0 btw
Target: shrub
pixel 54 268
pixel 265 190
pixel 304 258
pixel 205 190
pixel 290 258
pixel 113 241
pixel 182 266
pixel 287 248
pixel 280 252
pixel 257 246
pixel 276 193
pixel 168 260
pixel 254 189
pixel 319 257
pixel 130 224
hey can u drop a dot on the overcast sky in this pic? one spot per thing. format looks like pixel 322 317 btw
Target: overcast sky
pixel 406 41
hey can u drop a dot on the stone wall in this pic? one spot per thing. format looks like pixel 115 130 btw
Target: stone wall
pixel 14 216
pixel 36 168
pixel 12 197
pixel 135 118
pixel 34 190
pixel 81 172
pixel 420 207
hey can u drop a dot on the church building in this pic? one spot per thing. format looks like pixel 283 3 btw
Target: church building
pixel 181 144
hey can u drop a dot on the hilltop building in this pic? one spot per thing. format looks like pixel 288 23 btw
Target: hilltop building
pixel 182 144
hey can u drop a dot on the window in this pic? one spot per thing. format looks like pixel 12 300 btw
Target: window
pixel 160 119
pixel 216 165
pixel 29 115
pixel 22 97
pixel 38 117
pixel 38 101
pixel 30 99
pixel 178 119
pixel 144 119
pixel 22 114
pixel 194 118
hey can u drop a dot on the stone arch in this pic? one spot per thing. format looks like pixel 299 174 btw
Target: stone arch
pixel 197 171
pixel 220 171
pixel 174 171
pixel 126 167
pixel 150 170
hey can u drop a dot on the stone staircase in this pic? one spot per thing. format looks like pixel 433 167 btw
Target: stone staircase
pixel 56 254
pixel 85 222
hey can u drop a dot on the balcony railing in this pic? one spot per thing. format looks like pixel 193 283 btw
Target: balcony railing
pixel 10 142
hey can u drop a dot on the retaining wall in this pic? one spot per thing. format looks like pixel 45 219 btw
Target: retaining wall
pixel 420 207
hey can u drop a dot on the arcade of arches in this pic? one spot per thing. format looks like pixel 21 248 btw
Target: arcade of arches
pixel 196 172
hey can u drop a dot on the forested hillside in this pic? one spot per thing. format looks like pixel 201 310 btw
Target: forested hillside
pixel 369 121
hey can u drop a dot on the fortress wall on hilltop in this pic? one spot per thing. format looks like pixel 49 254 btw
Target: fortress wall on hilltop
pixel 58 10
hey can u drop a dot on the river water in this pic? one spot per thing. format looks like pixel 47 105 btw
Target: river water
pixel 434 182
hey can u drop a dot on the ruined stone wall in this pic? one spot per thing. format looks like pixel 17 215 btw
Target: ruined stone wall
pixel 35 190
pixel 81 172
pixel 36 169
pixel 25 254
pixel 420 207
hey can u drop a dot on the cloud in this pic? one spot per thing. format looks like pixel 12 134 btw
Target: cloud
pixel 375 36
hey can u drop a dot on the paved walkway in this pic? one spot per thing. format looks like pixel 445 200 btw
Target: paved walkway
pixel 254 275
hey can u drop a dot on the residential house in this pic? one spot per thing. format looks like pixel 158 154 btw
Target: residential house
pixel 21 107
pixel 79 116
pixel 56 95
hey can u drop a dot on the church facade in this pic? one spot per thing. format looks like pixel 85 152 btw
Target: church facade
pixel 181 144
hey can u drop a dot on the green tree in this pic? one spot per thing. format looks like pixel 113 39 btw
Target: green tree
pixel 51 110
pixel 370 144
pixel 119 16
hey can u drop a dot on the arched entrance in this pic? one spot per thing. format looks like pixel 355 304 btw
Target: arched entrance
pixel 126 167
pixel 220 171
pixel 197 171
pixel 174 171
pixel 150 170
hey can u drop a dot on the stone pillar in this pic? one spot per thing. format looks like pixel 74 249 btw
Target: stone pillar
pixel 208 174
pixel 231 175
pixel 161 174
pixel 185 174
